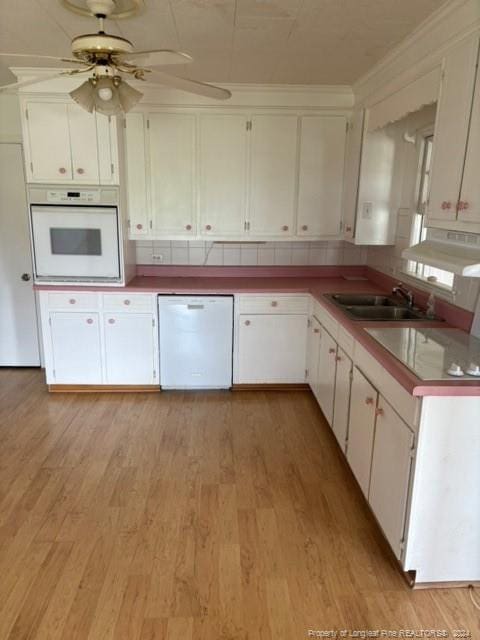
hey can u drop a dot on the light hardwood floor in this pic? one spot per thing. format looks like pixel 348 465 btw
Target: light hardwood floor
pixel 199 516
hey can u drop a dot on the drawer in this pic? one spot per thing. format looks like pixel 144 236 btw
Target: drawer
pixel 272 303
pixel 128 301
pixel 73 300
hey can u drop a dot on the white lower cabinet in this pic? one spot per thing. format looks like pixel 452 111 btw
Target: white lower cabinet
pixel 130 348
pixel 390 474
pixel 313 355
pixel 76 351
pixel 363 404
pixel 271 348
pixel 326 374
pixel 341 408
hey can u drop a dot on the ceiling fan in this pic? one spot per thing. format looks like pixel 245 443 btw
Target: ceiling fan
pixel 108 58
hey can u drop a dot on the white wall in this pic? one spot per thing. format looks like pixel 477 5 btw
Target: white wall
pixel 10 124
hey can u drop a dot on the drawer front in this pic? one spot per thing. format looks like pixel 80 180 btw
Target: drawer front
pixel 128 301
pixel 272 303
pixel 72 300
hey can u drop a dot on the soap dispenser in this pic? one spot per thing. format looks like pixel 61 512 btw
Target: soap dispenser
pixel 430 312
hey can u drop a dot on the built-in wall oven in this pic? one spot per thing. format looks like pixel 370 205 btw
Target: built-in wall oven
pixel 75 234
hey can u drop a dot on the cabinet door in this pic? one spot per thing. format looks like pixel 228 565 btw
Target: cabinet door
pixel 469 205
pixel 322 156
pixel 107 149
pixel 76 348
pixel 390 475
pixel 136 174
pixel 326 374
pixel 343 383
pixel 83 140
pixel 451 130
pixel 273 169
pixel 222 169
pixel 313 355
pixel 48 142
pixel 172 173
pixel 130 348
pixel 272 348
pixel 352 171
pixel 361 428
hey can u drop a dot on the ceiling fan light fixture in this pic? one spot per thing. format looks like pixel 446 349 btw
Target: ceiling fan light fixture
pixel 84 96
pixel 128 96
pixel 108 95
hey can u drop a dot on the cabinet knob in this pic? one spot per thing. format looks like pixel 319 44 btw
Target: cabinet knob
pixel 80 171
pixel 62 170
pixel 332 350
pixel 139 226
pixel 369 400
pixel 126 302
pixel 446 204
pixel 247 323
pixel 89 321
pixel 305 227
pixel 25 277
pixel 379 411
pixel 72 301
pixel 316 331
pixel 111 321
pixel 462 205
pixel 188 227
pixel 348 228
pixel 338 358
pixel 285 227
pixel 208 227
pixel 274 303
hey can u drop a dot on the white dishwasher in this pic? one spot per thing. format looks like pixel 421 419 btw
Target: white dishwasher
pixel 196 341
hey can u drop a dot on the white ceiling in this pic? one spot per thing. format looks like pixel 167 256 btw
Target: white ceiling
pixel 258 41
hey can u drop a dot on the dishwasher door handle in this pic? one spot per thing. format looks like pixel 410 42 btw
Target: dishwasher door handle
pixel 195 306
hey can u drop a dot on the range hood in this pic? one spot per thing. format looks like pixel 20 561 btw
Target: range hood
pixel 449 250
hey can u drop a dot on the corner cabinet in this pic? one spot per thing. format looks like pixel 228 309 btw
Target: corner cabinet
pixel 454 202
pixel 234 176
pixel 65 144
pixel 99 339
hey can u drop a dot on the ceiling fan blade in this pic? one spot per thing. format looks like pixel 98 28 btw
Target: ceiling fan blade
pixel 158 57
pixel 34 55
pixel 190 86
pixel 27 83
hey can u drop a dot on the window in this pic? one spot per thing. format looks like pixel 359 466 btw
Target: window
pixel 436 276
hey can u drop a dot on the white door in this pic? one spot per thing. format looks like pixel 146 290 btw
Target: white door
pixel 343 383
pixel 76 348
pixel 469 205
pixel 361 428
pixel 451 130
pixel 272 348
pixel 83 140
pixel 18 316
pixel 48 142
pixel 172 172
pixel 313 355
pixel 130 348
pixel 138 215
pixel 352 171
pixel 223 179
pixel 326 374
pixel 107 149
pixel 273 175
pixel 322 156
pixel 390 475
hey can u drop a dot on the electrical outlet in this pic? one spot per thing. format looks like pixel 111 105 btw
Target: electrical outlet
pixel 157 257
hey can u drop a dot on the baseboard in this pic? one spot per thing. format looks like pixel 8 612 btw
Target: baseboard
pixel 271 387
pixel 452 584
pixel 103 388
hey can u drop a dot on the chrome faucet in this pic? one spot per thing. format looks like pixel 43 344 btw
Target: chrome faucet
pixel 405 293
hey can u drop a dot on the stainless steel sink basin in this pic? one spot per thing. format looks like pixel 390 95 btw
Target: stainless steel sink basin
pixel 385 313
pixel 348 299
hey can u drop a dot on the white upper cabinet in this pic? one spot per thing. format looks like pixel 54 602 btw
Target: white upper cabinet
pixel 222 174
pixel 451 136
pixel 322 156
pixel 64 143
pixel 352 172
pixel 171 143
pixel 273 175
pixel 136 169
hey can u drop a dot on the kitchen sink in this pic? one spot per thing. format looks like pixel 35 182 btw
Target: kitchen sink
pixel 360 300
pixel 385 313
pixel 376 307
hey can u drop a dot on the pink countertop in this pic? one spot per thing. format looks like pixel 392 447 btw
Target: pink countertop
pixel 315 281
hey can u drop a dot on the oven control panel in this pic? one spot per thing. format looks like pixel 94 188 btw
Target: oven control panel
pixel 73 196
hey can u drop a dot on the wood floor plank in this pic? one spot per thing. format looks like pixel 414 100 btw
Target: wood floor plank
pixel 200 516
